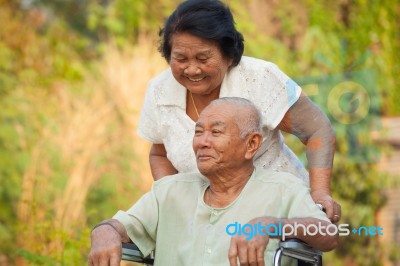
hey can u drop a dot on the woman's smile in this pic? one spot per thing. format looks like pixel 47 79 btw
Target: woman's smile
pixel 197 64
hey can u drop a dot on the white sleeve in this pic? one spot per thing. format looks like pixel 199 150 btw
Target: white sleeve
pixel 276 94
pixel 141 221
pixel 297 199
pixel 149 125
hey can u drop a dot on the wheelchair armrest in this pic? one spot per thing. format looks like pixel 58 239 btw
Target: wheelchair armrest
pixel 296 249
pixel 130 252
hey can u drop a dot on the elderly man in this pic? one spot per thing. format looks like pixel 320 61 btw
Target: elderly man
pixel 190 219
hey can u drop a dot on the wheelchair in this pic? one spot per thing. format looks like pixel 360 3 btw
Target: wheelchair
pixel 292 248
pixel 298 250
pixel 130 252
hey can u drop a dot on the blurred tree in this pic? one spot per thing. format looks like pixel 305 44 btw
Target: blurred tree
pixel 58 139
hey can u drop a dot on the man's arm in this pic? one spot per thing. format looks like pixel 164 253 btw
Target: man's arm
pixel 322 240
pixel 106 246
pixel 251 252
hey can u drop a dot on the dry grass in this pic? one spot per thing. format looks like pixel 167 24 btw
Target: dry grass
pixel 84 129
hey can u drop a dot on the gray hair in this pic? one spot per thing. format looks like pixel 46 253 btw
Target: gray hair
pixel 248 121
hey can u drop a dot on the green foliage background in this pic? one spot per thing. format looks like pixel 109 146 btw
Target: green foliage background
pixel 51 55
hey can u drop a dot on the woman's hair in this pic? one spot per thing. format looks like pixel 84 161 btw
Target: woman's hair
pixel 206 19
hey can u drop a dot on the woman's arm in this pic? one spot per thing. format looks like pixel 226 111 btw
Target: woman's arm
pixel 159 164
pixel 306 121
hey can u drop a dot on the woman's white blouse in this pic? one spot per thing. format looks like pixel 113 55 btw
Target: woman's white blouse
pixel 164 120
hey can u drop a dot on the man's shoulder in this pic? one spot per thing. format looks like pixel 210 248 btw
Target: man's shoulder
pixel 178 180
pixel 277 178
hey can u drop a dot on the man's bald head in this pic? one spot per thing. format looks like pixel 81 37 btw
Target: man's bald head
pixel 246 115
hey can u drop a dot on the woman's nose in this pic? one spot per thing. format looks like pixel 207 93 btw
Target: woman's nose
pixel 192 69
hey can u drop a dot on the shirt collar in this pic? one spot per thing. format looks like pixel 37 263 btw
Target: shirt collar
pixel 172 93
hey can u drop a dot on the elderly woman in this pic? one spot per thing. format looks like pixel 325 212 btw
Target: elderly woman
pixel 204 50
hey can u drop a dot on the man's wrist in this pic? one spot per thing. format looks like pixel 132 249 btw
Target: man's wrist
pixel 105 223
pixel 116 226
pixel 276 222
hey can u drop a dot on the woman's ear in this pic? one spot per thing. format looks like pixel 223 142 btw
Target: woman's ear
pixel 254 141
pixel 230 62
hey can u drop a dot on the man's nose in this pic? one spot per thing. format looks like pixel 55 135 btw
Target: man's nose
pixel 204 140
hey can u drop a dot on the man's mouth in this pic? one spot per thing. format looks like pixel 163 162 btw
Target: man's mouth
pixel 203 157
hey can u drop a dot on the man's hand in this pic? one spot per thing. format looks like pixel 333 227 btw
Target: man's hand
pixel 249 252
pixel 330 206
pixel 106 247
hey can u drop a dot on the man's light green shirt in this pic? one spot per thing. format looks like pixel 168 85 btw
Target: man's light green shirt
pixel 174 220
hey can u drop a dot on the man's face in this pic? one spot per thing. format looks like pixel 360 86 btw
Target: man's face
pixel 216 142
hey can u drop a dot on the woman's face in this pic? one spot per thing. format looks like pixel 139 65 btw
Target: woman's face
pixel 197 64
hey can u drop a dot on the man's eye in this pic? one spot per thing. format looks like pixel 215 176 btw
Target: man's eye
pixel 198 132
pixel 216 132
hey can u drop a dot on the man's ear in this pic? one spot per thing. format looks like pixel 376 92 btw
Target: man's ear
pixel 254 141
